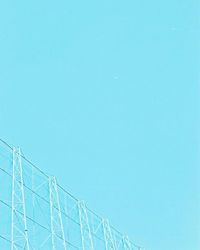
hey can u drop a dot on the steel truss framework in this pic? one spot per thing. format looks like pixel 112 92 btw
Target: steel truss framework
pixel 39 214
pixel 19 232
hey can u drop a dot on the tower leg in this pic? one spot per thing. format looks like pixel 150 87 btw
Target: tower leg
pixel 86 236
pixel 57 230
pixel 19 231
pixel 109 241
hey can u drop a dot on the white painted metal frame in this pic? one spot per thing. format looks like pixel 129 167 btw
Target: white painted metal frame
pixel 86 235
pixel 57 229
pixel 19 231
pixel 126 243
pixel 109 241
pixel 91 227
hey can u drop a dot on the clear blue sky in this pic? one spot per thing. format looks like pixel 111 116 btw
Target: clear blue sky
pixel 104 94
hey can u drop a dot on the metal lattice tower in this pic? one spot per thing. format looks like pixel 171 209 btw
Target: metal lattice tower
pixel 109 240
pixel 37 213
pixel 57 230
pixel 86 236
pixel 19 232
pixel 126 243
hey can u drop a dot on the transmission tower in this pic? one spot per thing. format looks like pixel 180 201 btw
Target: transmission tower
pixel 19 231
pixel 86 236
pixel 109 241
pixel 37 213
pixel 126 243
pixel 57 229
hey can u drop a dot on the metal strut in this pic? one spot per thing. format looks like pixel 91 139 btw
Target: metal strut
pixel 109 241
pixel 86 236
pixel 19 231
pixel 126 243
pixel 57 229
